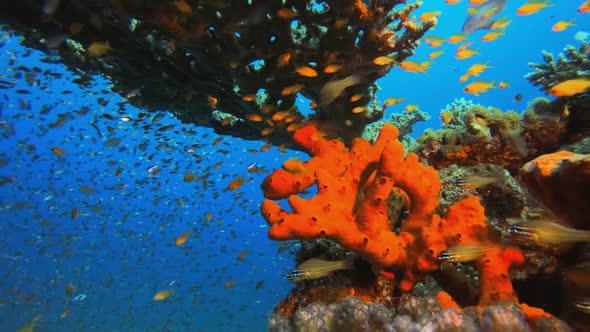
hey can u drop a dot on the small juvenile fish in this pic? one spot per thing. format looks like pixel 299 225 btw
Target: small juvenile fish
pixel 570 87
pixel 163 294
pixel 547 233
pixel 475 181
pixel 181 239
pixel 464 252
pixel 317 268
pixel 235 184
pixel 583 305
pixel 97 48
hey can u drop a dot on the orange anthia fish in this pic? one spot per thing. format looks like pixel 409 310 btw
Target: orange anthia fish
pixel 457 38
pixel 358 109
pixel 181 239
pixel 356 97
pixel 585 7
pixel 235 184
pixel 189 177
pixel 435 54
pixel 183 6
pixel 212 101
pixel 434 41
pixel 266 131
pixel 570 87
pixel 330 69
pixel 465 53
pixel 163 294
pixel 392 101
pixel 415 67
pixel 478 87
pixel 477 2
pixel 452 2
pixel 278 116
pixel 58 151
pixel 291 89
pixel 283 60
pixel 286 13
pixel 501 23
pixel 446 117
pixel 383 60
pixel 307 71
pixel 492 35
pixel 294 166
pixel 464 78
pixel 477 69
pixel 97 49
pixel 562 25
pixel 429 16
pixel 254 117
pixel 532 7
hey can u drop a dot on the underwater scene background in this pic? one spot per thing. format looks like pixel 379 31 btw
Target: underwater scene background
pixel 118 218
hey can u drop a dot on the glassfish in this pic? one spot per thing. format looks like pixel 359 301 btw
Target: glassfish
pixel 476 181
pixel 464 252
pixel 316 268
pixel 547 232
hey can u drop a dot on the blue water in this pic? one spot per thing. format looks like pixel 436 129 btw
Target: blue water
pixel 120 250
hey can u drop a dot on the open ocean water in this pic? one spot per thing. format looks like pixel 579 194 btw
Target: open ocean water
pixel 95 192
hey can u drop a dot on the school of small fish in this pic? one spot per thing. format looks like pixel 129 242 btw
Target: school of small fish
pixel 117 213
pixel 96 190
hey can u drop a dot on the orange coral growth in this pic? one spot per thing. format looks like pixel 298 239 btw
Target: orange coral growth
pixel 548 162
pixel 446 301
pixel 494 283
pixel 465 223
pixel 352 208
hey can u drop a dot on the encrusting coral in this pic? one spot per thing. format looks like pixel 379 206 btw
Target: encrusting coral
pixel 351 208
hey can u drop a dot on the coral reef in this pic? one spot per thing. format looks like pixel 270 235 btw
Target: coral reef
pixel 562 181
pixel 475 134
pixel 572 63
pixel 351 208
pixel 247 59
pixel 403 121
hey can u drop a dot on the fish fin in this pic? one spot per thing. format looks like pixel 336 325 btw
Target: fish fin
pixel 488 25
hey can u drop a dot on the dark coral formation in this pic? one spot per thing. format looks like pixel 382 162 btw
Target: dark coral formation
pixel 562 181
pixel 175 55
